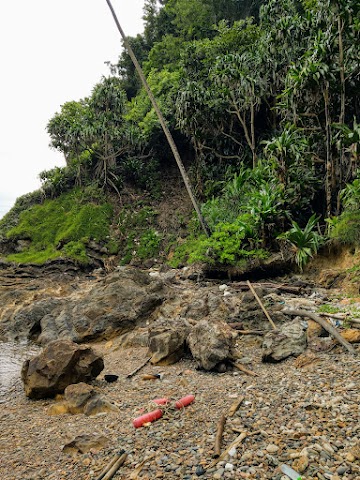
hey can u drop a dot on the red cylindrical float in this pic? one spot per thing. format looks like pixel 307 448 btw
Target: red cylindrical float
pixel 185 401
pixel 148 417
pixel 161 401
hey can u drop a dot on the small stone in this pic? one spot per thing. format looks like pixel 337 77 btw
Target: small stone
pixel 271 448
pixel 200 470
pixel 350 457
pixel 229 467
pixel 342 469
pixel 301 464
pixel 219 473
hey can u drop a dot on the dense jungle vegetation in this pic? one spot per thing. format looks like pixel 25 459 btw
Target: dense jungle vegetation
pixel 263 101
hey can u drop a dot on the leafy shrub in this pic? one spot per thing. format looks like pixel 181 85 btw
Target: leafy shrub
pixel 346 228
pixel 227 245
pixel 305 242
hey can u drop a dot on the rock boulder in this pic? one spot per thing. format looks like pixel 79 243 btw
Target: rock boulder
pixel 290 340
pixel 60 364
pixel 167 340
pixel 210 343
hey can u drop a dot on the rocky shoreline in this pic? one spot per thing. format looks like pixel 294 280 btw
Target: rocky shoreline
pixel 303 411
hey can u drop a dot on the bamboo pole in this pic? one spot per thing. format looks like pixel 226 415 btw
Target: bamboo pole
pixel 162 121
pixel 261 305
pixel 219 435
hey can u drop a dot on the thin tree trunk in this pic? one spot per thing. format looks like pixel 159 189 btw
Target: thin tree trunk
pixel 342 108
pixel 162 122
pixel 329 166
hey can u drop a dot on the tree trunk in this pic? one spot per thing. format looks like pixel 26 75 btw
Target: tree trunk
pixel 329 166
pixel 341 164
pixel 162 122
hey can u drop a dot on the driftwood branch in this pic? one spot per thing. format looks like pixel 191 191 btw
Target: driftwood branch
pixel 235 406
pixel 261 305
pixel 241 367
pixel 219 435
pixel 326 326
pixel 138 368
pixel 135 474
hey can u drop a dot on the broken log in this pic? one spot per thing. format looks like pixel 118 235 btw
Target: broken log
pixel 138 368
pixel 219 435
pixel 326 325
pixel 261 305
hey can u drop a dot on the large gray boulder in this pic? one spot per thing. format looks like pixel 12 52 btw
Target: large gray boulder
pixel 290 340
pixel 60 364
pixel 102 308
pixel 210 343
pixel 167 340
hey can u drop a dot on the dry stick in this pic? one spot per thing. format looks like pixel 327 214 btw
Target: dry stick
pixel 109 466
pixel 235 406
pixel 244 369
pixel 251 332
pixel 234 444
pixel 135 474
pixel 115 467
pixel 261 305
pixel 138 368
pixel 329 328
pixel 219 435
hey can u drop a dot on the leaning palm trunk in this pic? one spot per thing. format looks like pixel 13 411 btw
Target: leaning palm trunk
pixel 162 122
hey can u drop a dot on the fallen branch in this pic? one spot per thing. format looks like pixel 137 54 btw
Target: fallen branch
pixel 261 305
pixel 138 368
pixel 326 326
pixel 235 406
pixel 219 435
pixel 241 367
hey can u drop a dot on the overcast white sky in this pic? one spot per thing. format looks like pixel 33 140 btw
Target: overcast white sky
pixel 52 51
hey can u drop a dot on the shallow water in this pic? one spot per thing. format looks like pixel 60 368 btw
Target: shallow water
pixel 12 356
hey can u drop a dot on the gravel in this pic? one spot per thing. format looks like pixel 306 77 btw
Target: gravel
pixel 306 417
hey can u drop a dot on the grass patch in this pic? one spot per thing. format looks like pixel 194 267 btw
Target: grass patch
pixel 62 227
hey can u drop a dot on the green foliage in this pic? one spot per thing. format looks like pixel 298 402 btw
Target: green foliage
pixel 346 228
pixel 227 245
pixel 305 242
pixel 138 235
pixel 22 203
pixel 328 308
pixel 149 244
pixel 62 227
